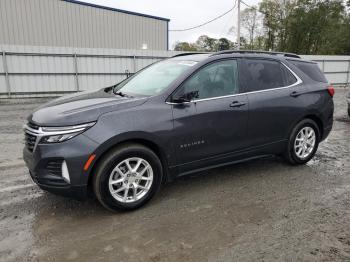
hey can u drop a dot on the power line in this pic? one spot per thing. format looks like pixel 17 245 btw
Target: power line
pixel 248 5
pixel 231 18
pixel 208 22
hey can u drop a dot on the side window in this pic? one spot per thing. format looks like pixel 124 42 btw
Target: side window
pixel 289 78
pixel 266 74
pixel 217 79
pixel 311 70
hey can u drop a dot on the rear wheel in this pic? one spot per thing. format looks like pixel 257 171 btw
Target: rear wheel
pixel 127 177
pixel 303 142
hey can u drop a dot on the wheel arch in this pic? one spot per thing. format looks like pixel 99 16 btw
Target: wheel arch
pixel 314 117
pixel 318 121
pixel 146 141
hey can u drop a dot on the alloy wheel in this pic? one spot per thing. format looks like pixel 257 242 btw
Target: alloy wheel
pixel 130 180
pixel 304 143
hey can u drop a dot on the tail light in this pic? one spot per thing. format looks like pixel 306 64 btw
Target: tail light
pixel 331 91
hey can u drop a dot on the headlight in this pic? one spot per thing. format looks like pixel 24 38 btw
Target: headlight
pixel 64 133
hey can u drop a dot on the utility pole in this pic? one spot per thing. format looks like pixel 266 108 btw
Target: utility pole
pixel 238 24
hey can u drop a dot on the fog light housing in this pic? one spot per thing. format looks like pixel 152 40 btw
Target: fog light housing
pixel 65 172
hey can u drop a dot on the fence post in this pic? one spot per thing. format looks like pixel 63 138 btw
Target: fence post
pixel 348 74
pixel 134 64
pixel 7 80
pixel 76 72
pixel 323 62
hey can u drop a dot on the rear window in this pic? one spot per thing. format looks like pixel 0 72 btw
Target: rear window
pixel 311 70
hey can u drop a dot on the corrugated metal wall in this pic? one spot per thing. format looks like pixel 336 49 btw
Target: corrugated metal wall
pixel 67 24
pixel 46 71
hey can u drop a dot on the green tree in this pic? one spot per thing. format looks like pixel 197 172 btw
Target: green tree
pixel 305 26
pixel 317 27
pixel 184 46
pixel 298 26
pixel 249 21
pixel 259 42
pixel 269 8
pixel 206 43
pixel 223 44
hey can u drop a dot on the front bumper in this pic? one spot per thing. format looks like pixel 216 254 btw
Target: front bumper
pixel 44 165
pixel 75 192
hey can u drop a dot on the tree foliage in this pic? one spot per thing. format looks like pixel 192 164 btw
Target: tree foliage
pixel 306 26
pixel 205 43
pixel 184 46
pixel 250 22
pixel 298 26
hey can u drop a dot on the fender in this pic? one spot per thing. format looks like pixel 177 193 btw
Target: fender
pixel 144 138
pixel 312 114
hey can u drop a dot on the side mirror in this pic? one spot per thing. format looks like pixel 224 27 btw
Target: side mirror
pixel 185 98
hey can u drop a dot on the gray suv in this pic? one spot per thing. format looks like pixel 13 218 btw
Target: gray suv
pixel 185 114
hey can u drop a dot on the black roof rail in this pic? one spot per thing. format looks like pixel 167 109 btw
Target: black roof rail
pixel 190 53
pixel 256 52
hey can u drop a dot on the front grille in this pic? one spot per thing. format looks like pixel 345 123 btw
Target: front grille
pixel 54 167
pixel 29 141
pixel 31 132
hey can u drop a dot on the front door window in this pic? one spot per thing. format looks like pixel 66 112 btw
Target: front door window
pixel 215 80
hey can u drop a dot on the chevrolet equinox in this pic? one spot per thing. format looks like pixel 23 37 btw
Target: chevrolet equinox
pixel 185 114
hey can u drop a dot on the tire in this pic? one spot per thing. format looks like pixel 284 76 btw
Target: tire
pixel 294 152
pixel 113 174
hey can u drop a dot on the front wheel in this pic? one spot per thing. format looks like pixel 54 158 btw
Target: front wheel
pixel 127 177
pixel 303 142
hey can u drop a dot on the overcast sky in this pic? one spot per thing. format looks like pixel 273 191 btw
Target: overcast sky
pixel 184 14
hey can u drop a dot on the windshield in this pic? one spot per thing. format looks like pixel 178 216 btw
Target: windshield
pixel 154 79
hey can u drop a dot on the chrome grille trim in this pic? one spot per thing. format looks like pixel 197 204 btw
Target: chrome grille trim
pixel 36 134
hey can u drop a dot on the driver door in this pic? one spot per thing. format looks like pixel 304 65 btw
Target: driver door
pixel 214 124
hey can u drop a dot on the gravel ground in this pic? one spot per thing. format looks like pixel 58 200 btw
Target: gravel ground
pixel 264 210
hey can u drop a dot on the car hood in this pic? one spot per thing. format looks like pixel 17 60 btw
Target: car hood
pixel 81 108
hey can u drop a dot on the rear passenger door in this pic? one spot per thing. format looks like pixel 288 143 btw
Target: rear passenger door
pixel 269 85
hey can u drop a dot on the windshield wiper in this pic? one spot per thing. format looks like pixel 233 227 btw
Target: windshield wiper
pixel 122 94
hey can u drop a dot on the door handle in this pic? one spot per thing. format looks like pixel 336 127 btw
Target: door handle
pixel 295 94
pixel 237 104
